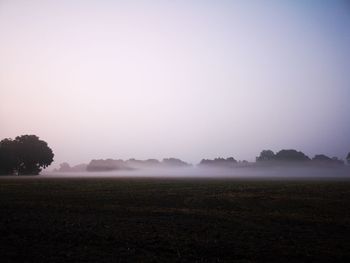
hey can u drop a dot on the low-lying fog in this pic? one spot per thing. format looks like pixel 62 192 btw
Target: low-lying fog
pixel 197 172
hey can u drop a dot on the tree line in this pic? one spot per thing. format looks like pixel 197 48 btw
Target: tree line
pixel 283 157
pixel 297 156
pixel 28 155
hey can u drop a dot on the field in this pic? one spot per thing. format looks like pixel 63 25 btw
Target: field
pixel 173 220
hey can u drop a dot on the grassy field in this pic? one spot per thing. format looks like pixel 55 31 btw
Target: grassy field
pixel 173 220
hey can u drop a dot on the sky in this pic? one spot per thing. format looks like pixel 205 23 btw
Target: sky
pixel 185 78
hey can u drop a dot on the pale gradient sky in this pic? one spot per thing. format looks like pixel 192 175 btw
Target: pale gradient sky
pixel 187 79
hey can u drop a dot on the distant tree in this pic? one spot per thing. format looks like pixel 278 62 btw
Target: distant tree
pixel 219 162
pixel 152 162
pixel 322 158
pixel 291 156
pixel 106 165
pixel 141 164
pixel 348 158
pixel 174 162
pixel 265 155
pixel 231 160
pixel 64 167
pixel 24 155
pixel 325 160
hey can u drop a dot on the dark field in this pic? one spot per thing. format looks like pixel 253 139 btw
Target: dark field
pixel 173 220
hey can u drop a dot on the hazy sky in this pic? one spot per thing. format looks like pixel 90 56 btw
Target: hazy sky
pixel 188 79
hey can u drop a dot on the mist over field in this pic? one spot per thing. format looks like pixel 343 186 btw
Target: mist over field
pixel 288 163
pixel 268 173
pixel 174 131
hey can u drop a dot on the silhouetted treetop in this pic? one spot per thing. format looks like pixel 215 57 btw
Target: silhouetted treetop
pixel 219 162
pixel 65 168
pixel 138 164
pixel 24 155
pixel 174 162
pixel 265 155
pixel 131 164
pixel 106 165
pixel 322 158
pixel 291 156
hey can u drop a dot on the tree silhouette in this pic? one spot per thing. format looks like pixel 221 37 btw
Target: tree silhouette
pixel 34 154
pixel 219 162
pixel 24 155
pixel 325 160
pixel 348 158
pixel 265 155
pixel 291 155
pixel 174 162
pixel 322 158
pixel 8 156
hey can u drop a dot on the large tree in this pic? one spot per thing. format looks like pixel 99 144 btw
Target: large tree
pixel 25 155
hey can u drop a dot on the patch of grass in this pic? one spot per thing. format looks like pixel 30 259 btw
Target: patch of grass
pixel 173 220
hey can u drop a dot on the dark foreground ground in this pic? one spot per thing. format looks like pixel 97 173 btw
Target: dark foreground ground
pixel 173 220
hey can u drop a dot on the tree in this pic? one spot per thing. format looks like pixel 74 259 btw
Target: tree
pixel 325 160
pixel 266 155
pixel 291 155
pixel 174 162
pixel 24 155
pixel 64 167
pixel 322 158
pixel 219 162
pixel 33 154
pixel 8 157
pixel 348 158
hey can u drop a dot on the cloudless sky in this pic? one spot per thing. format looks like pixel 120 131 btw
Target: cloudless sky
pixel 189 79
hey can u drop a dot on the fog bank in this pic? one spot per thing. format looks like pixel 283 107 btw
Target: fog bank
pixel 239 173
